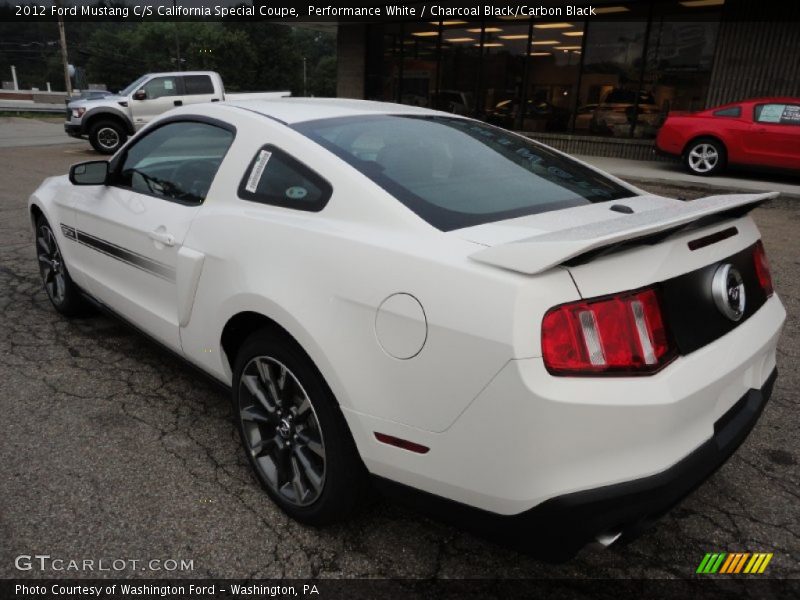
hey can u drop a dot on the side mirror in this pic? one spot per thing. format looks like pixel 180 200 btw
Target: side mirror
pixel 94 172
pixel 140 95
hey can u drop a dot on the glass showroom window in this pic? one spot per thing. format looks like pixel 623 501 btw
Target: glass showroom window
pixel 418 81
pixel 555 57
pixel 459 68
pixel 611 78
pixel 680 54
pixel 384 62
pixel 503 77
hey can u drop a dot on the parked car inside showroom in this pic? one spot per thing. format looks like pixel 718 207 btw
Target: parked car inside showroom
pixel 761 133
pixel 460 315
pixel 539 115
pixel 620 109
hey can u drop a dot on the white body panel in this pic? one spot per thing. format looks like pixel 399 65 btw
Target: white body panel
pixel 504 434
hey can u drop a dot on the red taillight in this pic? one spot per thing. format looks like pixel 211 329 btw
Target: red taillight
pixel 762 269
pixel 623 334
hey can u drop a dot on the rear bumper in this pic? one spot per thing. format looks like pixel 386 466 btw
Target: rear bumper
pixel 563 525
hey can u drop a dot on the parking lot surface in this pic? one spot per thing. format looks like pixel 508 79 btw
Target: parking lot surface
pixel 112 448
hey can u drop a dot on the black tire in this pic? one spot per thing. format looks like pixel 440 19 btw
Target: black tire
pixel 277 436
pixel 705 157
pixel 65 296
pixel 107 136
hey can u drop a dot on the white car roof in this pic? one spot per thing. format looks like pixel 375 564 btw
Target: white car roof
pixel 297 110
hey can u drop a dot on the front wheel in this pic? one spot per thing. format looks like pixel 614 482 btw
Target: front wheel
pixel 107 136
pixel 293 432
pixel 64 295
pixel 704 157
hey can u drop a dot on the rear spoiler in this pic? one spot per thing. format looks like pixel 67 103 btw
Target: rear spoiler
pixel 576 244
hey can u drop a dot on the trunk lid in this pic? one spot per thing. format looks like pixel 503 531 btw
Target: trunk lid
pixel 675 246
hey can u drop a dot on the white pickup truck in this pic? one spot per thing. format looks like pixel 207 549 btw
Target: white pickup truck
pixel 107 122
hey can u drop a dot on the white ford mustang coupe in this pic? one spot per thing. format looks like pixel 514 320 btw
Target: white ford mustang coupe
pixel 449 310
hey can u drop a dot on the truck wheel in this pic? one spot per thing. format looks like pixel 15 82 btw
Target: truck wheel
pixel 107 136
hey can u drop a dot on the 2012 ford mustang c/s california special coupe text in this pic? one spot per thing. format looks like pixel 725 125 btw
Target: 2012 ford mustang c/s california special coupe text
pixel 457 313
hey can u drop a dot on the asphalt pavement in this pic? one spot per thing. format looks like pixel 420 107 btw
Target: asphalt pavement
pixel 112 448
pixel 19 132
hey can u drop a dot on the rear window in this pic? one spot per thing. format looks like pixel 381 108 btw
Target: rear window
pixel 198 84
pixel 457 173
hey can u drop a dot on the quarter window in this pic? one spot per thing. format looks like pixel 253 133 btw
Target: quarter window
pixel 780 114
pixel 274 177
pixel 160 87
pixel 177 161
pixel 732 111
pixel 195 85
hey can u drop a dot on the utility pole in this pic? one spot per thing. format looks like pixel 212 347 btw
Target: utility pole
pixel 62 38
pixel 177 41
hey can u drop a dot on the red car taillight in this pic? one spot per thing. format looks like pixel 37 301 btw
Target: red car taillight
pixel 623 334
pixel 762 269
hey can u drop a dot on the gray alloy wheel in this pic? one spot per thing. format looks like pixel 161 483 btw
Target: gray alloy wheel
pixel 64 295
pixel 704 157
pixel 281 431
pixel 51 265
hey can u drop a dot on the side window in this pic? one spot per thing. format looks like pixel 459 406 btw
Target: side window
pixel 177 161
pixel 160 87
pixel 733 111
pixel 276 178
pixel 781 114
pixel 195 85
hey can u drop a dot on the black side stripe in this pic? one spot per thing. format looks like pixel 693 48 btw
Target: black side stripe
pixel 119 253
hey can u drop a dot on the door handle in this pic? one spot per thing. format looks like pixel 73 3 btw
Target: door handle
pixel 162 237
pixel 761 129
pixel 178 102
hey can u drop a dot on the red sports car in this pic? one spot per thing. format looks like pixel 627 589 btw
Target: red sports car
pixel 763 132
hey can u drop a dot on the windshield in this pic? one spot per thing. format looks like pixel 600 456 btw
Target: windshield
pixel 456 173
pixel 133 86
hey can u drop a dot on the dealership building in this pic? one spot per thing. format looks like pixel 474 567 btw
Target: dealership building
pixel 596 85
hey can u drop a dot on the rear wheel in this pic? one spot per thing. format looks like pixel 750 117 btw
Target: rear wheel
pixel 704 157
pixel 293 432
pixel 64 295
pixel 107 136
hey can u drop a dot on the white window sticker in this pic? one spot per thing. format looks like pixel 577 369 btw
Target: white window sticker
pixel 771 113
pixel 791 115
pixel 168 84
pixel 258 171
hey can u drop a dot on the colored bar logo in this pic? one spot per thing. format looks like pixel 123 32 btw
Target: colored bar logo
pixel 734 563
